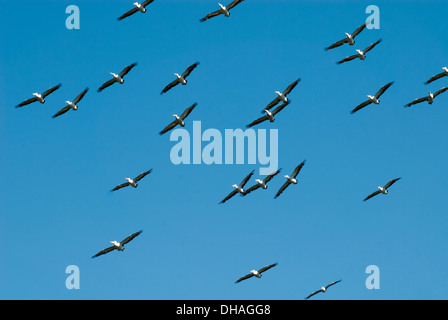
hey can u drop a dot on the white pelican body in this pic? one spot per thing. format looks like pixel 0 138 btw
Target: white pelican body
pixel 373 99
pixel 350 39
pixel 139 7
pixel 181 79
pixel 71 105
pixel 179 121
pixel 224 10
pixel 117 245
pixel 256 273
pixel 292 180
pixel 238 188
pixel 39 97
pixel 132 182
pixel 383 190
pixel 270 115
pixel 430 98
pixel 117 77
pixel 282 97
pixel 361 54
pixel 261 183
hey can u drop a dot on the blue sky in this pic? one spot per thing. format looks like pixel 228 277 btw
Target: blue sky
pixel 56 210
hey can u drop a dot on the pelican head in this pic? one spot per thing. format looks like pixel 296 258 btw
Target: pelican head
pixel 259 181
pixel 446 69
pixel 348 35
pixel 222 7
pixel 323 289
pixel 177 75
pixel 278 93
pixel 287 177
pixel 115 243
pixel 370 97
pixel 128 179
pixel 235 186
pixel 359 52
pixel 36 94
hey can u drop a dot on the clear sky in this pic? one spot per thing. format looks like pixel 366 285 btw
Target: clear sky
pixel 56 209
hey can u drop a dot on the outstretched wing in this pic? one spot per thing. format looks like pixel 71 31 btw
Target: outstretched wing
pixel 62 111
pixel 121 186
pixel 253 188
pixel 358 31
pixel 80 96
pixel 104 251
pixel 243 183
pixel 147 2
pixel 372 195
pixel 127 69
pixel 291 87
pixel 51 90
pixel 370 47
pixel 416 101
pixel 127 14
pixel 189 70
pixel 272 175
pixel 282 188
pixel 383 89
pixel 257 121
pixel 391 182
pixel 106 84
pixel 233 4
pixel 315 292
pixel 230 195
pixel 280 107
pixel 142 175
pixel 362 105
pixel 434 78
pixel 333 283
pixel 247 276
pixel 349 58
pixel 188 111
pixel 273 103
pixel 440 91
pixel 24 103
pixel 337 44
pixel 169 86
pixel 168 127
pixel 267 268
pixel 297 169
pixel 131 237
pixel 211 15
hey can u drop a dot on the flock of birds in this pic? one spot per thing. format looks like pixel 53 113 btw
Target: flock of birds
pixel 280 102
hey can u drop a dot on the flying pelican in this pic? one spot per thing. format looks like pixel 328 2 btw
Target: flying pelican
pixel 118 245
pixel 117 77
pixel 281 96
pixel 373 99
pixel 238 188
pixel 349 38
pixel 438 76
pixel 39 97
pixel 429 98
pixel 323 289
pixel 132 182
pixel 262 183
pixel 291 179
pixel 180 78
pixel 179 120
pixel 361 54
pixel 138 7
pixel 382 190
pixel 223 10
pixel 71 105
pixel 269 115
pixel 255 273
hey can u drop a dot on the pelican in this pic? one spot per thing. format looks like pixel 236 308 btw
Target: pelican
pixel 256 273
pixel 180 78
pixel 118 245
pixel 138 7
pixel 349 38
pixel 361 54
pixel 179 120
pixel 117 77
pixel 281 96
pixel 429 98
pixel 323 289
pixel 438 76
pixel 262 183
pixel 269 115
pixel 132 182
pixel 71 105
pixel 291 179
pixel 238 188
pixel 39 97
pixel 373 99
pixel 382 190
pixel 223 10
